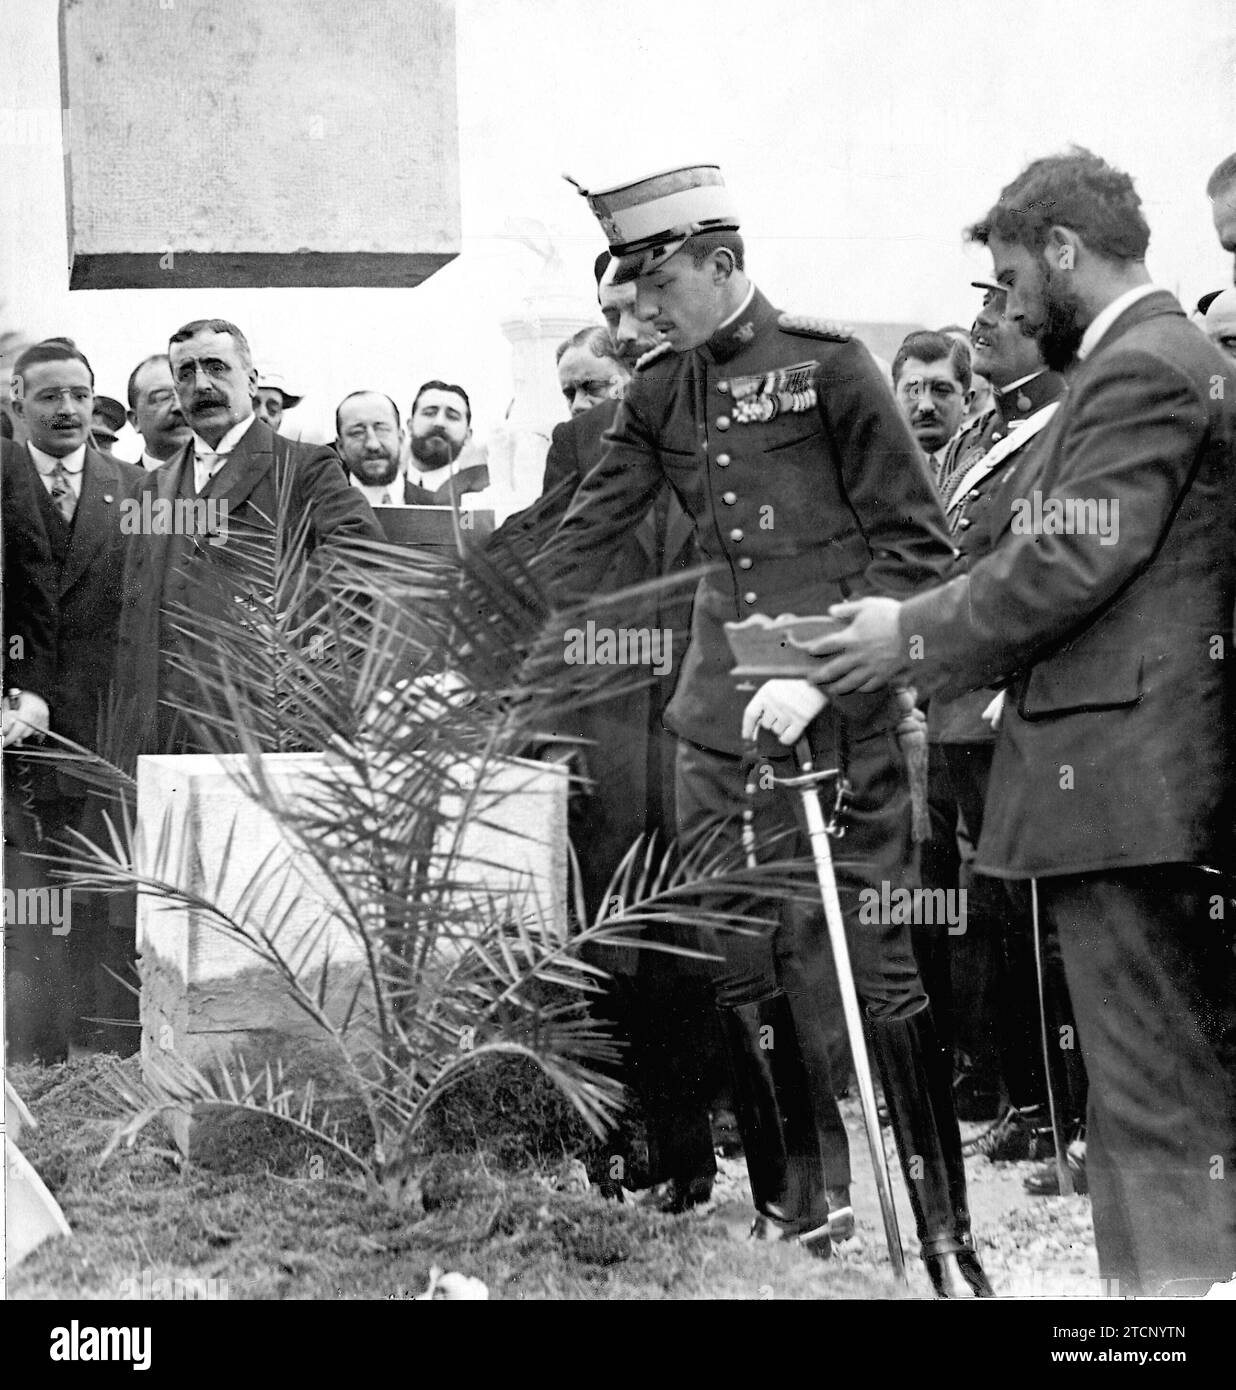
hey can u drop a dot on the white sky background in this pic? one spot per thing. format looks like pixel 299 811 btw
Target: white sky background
pixel 858 138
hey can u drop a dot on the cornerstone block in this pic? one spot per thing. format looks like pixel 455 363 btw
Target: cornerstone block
pixel 225 143
pixel 206 996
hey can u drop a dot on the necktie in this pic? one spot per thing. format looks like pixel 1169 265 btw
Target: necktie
pixel 208 465
pixel 64 499
pixel 386 499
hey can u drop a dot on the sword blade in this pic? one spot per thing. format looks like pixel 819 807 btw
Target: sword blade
pixel 821 853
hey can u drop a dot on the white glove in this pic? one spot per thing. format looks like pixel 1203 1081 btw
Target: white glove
pixel 991 715
pixel 28 718
pixel 784 707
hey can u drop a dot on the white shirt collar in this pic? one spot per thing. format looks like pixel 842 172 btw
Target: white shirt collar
pixel 1106 317
pixel 742 308
pixel 374 492
pixel 47 463
pixel 229 440
pixel 150 463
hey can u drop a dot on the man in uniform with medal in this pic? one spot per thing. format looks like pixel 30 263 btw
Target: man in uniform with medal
pixel 783 444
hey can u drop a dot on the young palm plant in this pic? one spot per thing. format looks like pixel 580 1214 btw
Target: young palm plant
pixel 420 681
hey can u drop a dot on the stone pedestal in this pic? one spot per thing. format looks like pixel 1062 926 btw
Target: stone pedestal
pixel 231 143
pixel 205 995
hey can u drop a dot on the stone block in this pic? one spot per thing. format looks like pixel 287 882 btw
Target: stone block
pixel 205 995
pixel 223 143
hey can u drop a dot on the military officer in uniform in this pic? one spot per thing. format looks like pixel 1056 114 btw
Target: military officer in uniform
pixel 783 444
pixel 999 451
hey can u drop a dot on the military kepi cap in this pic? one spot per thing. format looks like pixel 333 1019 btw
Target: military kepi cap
pixel 647 221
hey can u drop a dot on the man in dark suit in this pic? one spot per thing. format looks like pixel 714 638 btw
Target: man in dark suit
pixel 804 485
pixel 369 438
pixel 1106 607
pixel 237 465
pixel 439 429
pixel 64 514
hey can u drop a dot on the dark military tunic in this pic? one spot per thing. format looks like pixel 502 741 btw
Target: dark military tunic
pixel 786 448
pixel 970 485
pixel 784 445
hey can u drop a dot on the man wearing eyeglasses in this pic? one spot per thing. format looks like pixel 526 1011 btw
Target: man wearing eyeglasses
pixel 931 379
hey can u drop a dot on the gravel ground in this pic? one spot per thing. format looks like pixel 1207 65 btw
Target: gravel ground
pixel 1031 1247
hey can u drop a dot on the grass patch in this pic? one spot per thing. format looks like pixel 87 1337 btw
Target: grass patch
pixel 257 1224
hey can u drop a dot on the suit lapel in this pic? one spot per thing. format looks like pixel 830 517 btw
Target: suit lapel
pixel 96 520
pixel 248 463
pixel 29 491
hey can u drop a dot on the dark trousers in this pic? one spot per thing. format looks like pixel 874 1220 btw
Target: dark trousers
pixel 38 990
pixel 994 975
pixel 658 1005
pixel 59 982
pixel 793 952
pixel 1152 975
pixel 874 852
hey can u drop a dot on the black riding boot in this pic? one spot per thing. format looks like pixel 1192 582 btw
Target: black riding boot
pixel 772 1099
pixel 918 1092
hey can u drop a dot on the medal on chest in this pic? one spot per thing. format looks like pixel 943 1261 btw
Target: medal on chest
pixel 764 396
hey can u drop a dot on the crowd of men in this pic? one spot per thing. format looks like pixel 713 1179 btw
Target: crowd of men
pixel 1024 539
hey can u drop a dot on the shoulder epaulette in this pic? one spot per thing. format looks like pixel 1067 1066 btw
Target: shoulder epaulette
pixel 652 355
pixel 807 327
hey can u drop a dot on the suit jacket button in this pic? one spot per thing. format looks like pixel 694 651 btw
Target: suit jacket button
pixel 735 534
pixel 107 497
pixel 746 562
pixel 723 460
pixel 964 522
pixel 723 422
pixel 749 596
pixel 729 498
pixel 723 388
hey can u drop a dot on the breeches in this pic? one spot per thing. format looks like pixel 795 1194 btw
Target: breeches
pixel 872 860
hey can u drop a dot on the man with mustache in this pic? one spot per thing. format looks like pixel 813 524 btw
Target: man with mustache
pixel 781 442
pixel 931 380
pixel 439 428
pixel 63 562
pixel 239 464
pixel 1112 782
pixel 155 413
pixel 369 439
